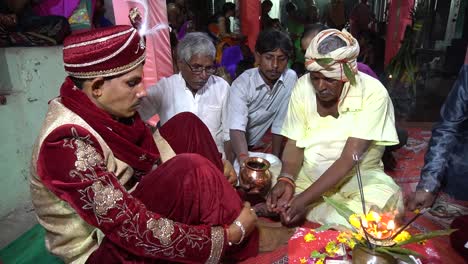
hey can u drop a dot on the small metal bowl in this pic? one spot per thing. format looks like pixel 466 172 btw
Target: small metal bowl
pixel 255 176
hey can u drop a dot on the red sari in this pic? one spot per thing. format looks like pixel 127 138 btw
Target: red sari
pixel 175 213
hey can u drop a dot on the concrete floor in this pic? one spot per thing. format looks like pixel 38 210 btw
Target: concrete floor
pixel 16 223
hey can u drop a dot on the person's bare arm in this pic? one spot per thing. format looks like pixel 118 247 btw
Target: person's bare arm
pixel 239 145
pixel 338 169
pixel 282 192
pixel 292 160
pixel 277 145
pixel 332 176
pixel 228 151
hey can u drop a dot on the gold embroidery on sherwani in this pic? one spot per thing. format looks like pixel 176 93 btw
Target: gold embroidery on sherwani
pixel 187 238
pixel 162 229
pixel 102 196
pixel 217 243
pixel 86 155
pixel 105 197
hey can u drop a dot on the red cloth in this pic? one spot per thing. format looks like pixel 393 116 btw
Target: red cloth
pixel 299 249
pixel 103 52
pixel 203 197
pixel 188 189
pixel 186 134
pixel 398 19
pixel 129 143
pixel 459 238
pixel 250 13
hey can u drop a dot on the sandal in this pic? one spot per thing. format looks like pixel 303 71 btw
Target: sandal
pixel 443 211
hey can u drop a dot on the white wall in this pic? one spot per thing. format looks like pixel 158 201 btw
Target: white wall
pixel 31 76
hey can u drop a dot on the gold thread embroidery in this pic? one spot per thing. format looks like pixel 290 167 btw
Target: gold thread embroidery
pixel 162 229
pixel 105 197
pixel 117 52
pixel 86 156
pixel 217 244
pixel 107 73
pixel 102 196
pixel 99 39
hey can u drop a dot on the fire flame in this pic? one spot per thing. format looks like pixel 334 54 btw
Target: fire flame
pixel 379 226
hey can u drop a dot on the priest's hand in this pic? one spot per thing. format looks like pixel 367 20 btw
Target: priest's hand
pixel 229 172
pixel 279 197
pixel 295 212
pixel 420 199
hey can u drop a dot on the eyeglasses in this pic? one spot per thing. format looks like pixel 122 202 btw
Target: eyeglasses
pixel 209 70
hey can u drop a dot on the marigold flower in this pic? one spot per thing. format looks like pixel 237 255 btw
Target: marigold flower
pixel 403 236
pixel 331 248
pixel 309 237
pixel 351 243
pixel 343 237
pixel 354 220
pixel 319 261
pixel 373 217
pixel 358 236
pixel 303 260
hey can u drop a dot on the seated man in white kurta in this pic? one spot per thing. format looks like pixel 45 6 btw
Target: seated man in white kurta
pixel 194 89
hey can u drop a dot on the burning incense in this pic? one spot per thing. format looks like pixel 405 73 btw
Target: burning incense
pixel 359 178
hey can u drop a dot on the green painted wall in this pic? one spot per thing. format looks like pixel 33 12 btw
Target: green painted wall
pixel 31 77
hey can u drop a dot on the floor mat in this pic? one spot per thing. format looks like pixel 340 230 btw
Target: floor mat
pixel 32 243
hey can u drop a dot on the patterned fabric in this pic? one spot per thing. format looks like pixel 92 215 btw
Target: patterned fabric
pixel 103 52
pixel 101 201
pixel 35 31
pixel 132 143
pixel 90 193
pixel 81 16
pixel 84 191
pixel 345 55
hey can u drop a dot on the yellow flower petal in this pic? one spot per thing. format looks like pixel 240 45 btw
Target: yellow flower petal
pixel 403 236
pixel 357 236
pixel 331 248
pixel 354 220
pixel 303 260
pixel 309 237
pixel 373 217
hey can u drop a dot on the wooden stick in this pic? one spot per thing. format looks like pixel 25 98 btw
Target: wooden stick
pixel 369 244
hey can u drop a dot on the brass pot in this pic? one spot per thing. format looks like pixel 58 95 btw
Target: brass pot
pixel 364 255
pixel 255 176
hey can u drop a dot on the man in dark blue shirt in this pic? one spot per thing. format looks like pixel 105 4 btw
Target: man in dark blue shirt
pixel 446 161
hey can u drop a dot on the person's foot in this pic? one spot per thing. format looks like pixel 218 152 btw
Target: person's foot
pixel 273 237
